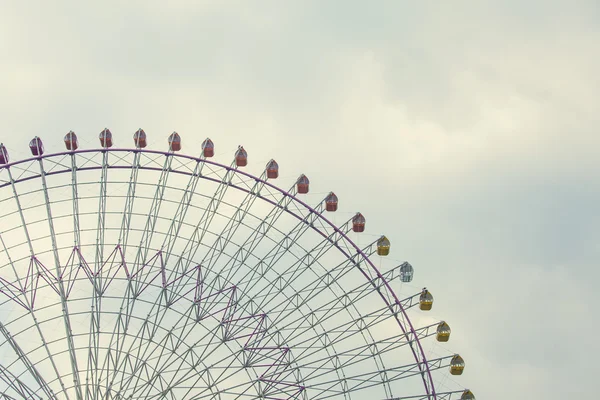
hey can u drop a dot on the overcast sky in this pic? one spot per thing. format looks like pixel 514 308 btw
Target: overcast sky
pixel 466 131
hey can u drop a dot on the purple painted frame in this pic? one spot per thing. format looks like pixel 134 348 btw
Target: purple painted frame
pixel 426 375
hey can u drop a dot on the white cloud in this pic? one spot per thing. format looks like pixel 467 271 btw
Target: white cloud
pixel 466 132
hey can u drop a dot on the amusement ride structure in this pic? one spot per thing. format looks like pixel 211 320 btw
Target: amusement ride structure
pixel 141 274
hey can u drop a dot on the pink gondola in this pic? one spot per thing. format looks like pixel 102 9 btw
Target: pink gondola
pixel 71 141
pixel 106 138
pixel 36 146
pixel 272 169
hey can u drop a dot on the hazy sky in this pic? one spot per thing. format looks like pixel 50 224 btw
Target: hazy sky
pixel 466 131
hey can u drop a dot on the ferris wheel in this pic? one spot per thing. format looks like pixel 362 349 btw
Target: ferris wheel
pixel 129 273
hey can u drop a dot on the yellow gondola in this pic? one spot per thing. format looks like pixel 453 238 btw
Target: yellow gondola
pixel 457 365
pixel 443 332
pixel 383 246
pixel 426 300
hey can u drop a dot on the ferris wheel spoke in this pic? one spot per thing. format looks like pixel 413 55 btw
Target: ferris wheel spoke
pixel 142 375
pixel 273 370
pixel 216 336
pixel 63 293
pixel 11 290
pixel 283 247
pixel 120 328
pixel 301 297
pixel 129 201
pixel 30 301
pixel 224 365
pixel 330 308
pixel 381 286
pixel 369 379
pixel 201 228
pixel 92 385
pixel 75 203
pixel 159 306
pixel 217 249
pixel 220 299
pixel 28 364
pixel 454 395
pixel 149 330
pixel 344 300
pixel 148 232
pixel 168 362
pixel 286 246
pixel 239 258
pixel 182 208
pixel 358 354
pixel 316 288
pixel 18 386
pixel 286 278
pixel 220 367
pixel 172 233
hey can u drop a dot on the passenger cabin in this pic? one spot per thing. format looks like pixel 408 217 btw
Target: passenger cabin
pixel 443 332
pixel 426 300
pixel 457 365
pixel 208 148
pixel 139 138
pixel 272 169
pixel 36 146
pixel 358 223
pixel 331 202
pixel 406 272
pixel 467 395
pixel 174 142
pixel 4 159
pixel 302 184
pixel 241 157
pixel 106 138
pixel 71 141
pixel 383 246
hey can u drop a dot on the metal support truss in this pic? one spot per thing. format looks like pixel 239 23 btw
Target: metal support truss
pixel 246 310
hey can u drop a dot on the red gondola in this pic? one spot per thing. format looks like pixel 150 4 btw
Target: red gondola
pixel 174 142
pixel 358 223
pixel 106 138
pixel 241 157
pixel 208 148
pixel 71 141
pixel 331 202
pixel 272 169
pixel 3 155
pixel 139 138
pixel 302 184
pixel 36 146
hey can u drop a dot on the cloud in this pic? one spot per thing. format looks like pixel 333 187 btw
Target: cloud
pixel 466 132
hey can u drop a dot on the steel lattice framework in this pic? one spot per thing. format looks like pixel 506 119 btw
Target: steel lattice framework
pixel 140 274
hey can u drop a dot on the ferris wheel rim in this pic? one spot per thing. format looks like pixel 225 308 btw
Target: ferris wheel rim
pixel 422 360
